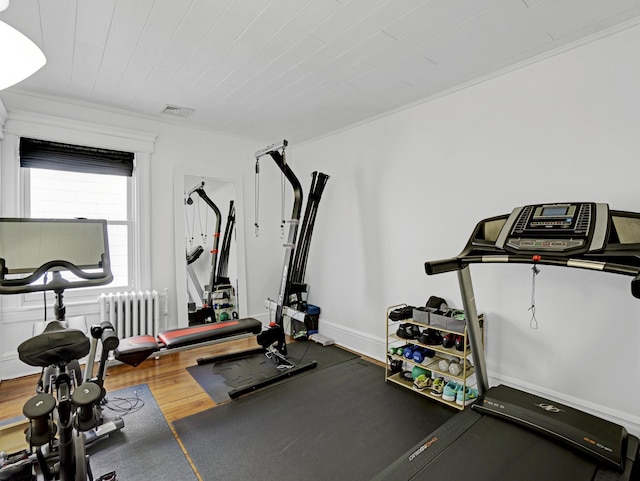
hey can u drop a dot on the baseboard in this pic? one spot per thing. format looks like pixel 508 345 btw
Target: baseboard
pixel 371 346
pixel 13 367
pixel 374 347
pixel 263 318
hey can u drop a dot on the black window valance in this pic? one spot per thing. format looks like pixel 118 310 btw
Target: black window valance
pixel 42 154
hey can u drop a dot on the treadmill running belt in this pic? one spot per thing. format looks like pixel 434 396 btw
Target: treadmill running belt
pixel 485 448
pixel 497 451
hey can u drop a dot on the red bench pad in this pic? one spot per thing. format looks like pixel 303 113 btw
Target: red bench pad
pixel 134 350
pixel 187 336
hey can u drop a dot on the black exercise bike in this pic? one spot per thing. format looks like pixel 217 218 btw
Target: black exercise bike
pixel 65 415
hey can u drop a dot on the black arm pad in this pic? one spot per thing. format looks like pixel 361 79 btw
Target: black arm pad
pixel 109 337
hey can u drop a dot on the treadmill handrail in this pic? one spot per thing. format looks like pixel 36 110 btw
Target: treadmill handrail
pixel 460 262
pixel 457 263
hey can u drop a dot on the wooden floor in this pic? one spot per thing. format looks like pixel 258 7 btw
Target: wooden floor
pixel 177 393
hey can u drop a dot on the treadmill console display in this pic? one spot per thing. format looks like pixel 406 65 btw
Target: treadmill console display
pixel 561 228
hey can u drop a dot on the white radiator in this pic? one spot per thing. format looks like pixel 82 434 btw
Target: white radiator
pixel 134 313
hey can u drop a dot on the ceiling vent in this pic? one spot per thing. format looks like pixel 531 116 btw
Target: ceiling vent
pixel 177 111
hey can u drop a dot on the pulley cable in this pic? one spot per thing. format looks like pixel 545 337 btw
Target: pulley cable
pixel 203 232
pixel 257 198
pixel 189 237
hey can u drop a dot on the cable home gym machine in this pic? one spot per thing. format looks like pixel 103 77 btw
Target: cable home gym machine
pixel 217 299
pixel 510 434
pixel 65 415
pixel 292 293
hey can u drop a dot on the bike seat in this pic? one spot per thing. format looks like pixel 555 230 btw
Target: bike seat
pixel 56 344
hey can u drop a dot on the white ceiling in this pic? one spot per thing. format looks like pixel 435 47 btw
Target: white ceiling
pixel 295 69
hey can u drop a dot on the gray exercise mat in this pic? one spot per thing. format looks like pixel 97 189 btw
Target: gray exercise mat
pixel 146 448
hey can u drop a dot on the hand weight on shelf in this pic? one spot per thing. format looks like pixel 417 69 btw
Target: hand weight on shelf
pixel 455 369
pixel 443 365
pixel 397 351
pixel 460 343
pixel 449 340
pixel 420 354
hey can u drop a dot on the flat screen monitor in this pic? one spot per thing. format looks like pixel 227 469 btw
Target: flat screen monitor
pixel 29 247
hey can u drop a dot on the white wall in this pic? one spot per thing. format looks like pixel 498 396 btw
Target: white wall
pixel 410 187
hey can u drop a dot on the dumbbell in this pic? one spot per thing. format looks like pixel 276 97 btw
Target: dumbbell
pixel 86 397
pixel 396 351
pixel 449 340
pixel 38 410
pixel 420 354
pixel 460 343
pixel 453 367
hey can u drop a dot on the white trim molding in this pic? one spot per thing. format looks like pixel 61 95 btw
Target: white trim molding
pixel 3 119
pixel 61 129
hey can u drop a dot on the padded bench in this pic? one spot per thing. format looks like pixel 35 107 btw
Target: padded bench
pixel 134 350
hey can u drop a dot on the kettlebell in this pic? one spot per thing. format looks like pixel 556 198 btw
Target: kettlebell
pixel 417 371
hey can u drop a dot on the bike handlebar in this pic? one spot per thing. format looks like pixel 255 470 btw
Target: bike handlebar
pixel 27 284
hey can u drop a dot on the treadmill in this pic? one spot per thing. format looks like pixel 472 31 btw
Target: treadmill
pixel 508 434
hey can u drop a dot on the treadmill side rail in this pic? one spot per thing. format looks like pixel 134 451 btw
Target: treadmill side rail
pixel 424 453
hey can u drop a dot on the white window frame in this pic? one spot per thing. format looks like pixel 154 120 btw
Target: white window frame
pixel 55 129
pixel 90 293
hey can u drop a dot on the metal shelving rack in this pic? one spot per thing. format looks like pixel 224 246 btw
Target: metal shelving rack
pixel 431 364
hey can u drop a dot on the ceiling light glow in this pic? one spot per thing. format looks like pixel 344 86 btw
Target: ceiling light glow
pixel 19 57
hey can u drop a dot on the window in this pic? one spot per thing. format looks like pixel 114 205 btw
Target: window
pixel 15 197
pixel 59 186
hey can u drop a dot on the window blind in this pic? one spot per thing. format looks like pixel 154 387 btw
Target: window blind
pixel 43 154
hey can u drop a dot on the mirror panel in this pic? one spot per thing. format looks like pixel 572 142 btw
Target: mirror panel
pixel 194 228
